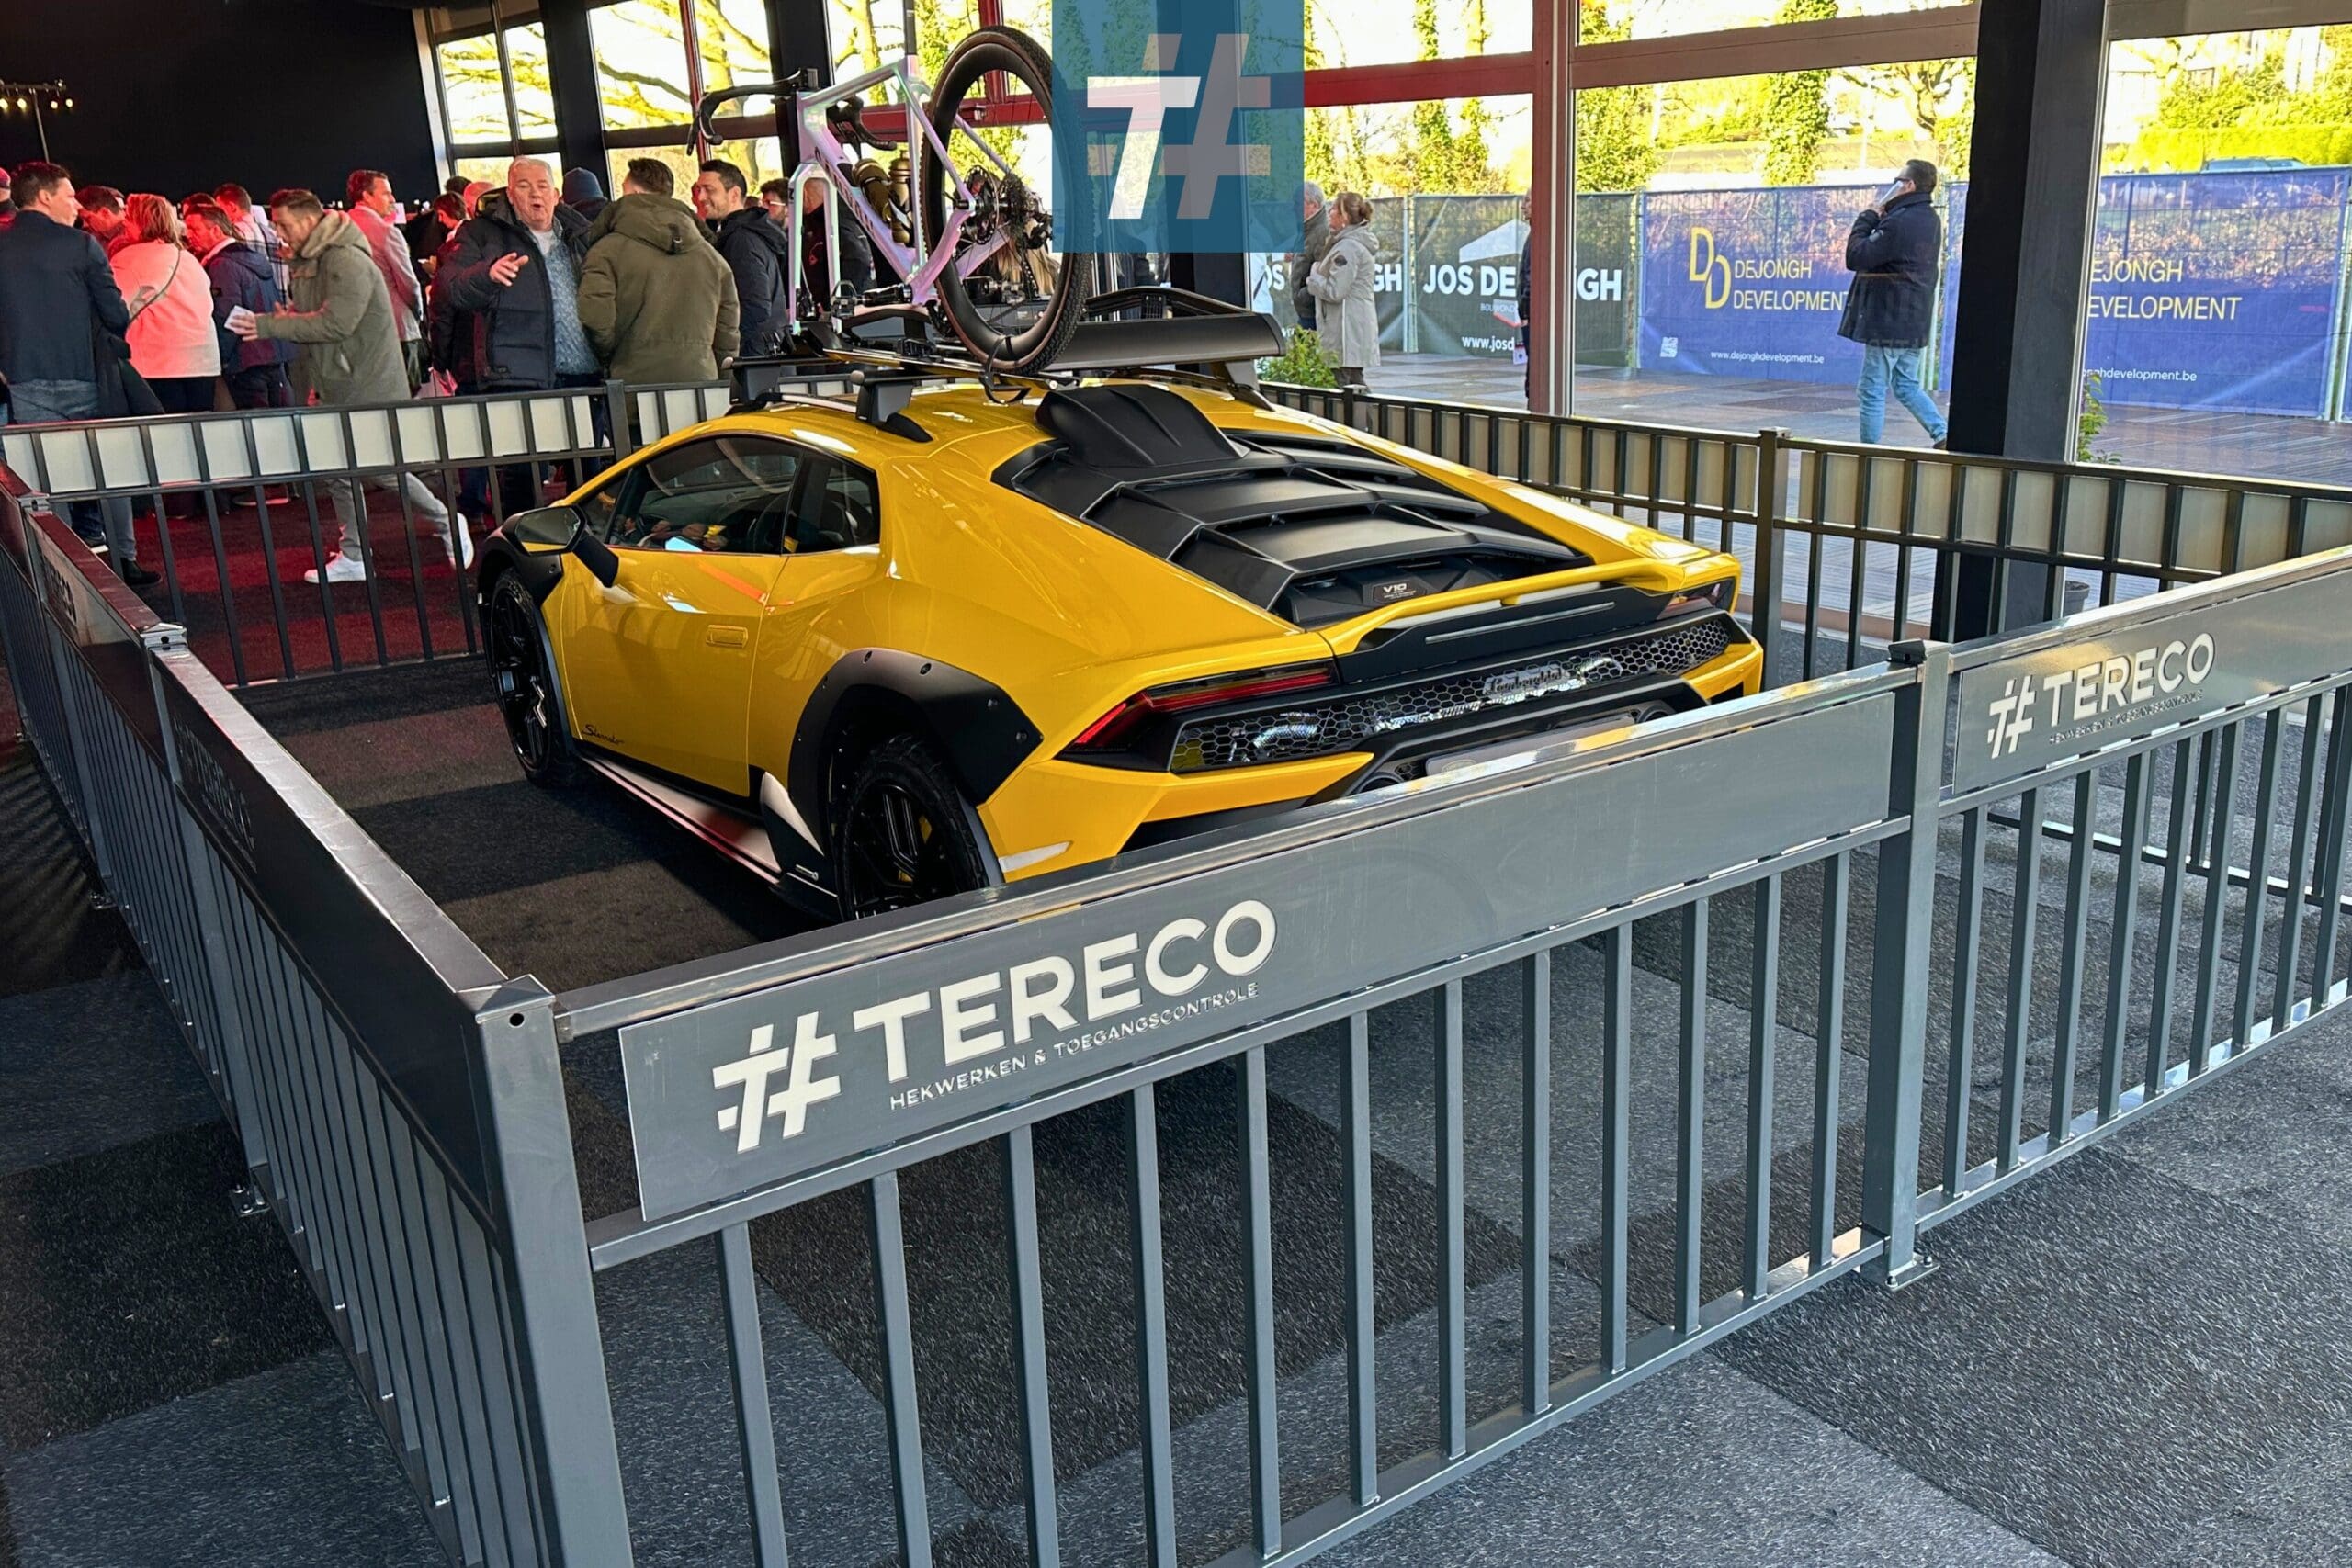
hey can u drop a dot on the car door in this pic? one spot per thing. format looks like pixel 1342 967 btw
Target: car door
pixel 658 667
pixel 833 556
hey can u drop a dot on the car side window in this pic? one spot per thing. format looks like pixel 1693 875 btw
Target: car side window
pixel 838 509
pixel 597 507
pixel 724 493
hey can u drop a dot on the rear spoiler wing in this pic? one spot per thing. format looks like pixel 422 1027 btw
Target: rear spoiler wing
pixel 1132 328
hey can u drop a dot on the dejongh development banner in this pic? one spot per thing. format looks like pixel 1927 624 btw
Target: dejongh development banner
pixel 1748 283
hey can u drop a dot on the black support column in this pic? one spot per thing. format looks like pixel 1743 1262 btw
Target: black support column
pixel 572 80
pixel 2024 275
pixel 797 40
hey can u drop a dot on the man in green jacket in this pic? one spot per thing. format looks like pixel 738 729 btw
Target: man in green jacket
pixel 348 353
pixel 657 299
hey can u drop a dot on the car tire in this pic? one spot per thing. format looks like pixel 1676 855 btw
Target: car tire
pixel 530 700
pixel 904 834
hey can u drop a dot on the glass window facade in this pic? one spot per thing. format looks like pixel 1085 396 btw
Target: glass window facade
pixel 2215 333
pixel 472 93
pixel 642 64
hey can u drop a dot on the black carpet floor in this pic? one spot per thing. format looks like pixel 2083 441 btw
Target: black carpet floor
pixel 2139 1358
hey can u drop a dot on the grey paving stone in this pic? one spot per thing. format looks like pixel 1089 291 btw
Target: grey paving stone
pixel 665 1353
pixel 2274 1135
pixel 1699 1465
pixel 2105 1358
pixel 2299 1513
pixel 1100 1509
pixel 92 1065
pixel 284 1469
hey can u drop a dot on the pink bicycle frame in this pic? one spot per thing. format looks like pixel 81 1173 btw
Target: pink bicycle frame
pixel 823 157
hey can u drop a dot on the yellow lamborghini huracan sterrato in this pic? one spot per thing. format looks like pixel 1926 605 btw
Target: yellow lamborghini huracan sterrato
pixel 922 639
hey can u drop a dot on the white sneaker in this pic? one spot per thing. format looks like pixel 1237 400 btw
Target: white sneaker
pixel 340 568
pixel 458 542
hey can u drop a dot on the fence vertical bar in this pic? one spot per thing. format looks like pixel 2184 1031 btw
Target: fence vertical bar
pixel 2165 983
pixel 1690 1116
pixel 754 1426
pixel 1535 1186
pixel 1771 489
pixel 1152 1326
pixel 560 1355
pixel 1265 1444
pixel 1029 1347
pixel 1763 1037
pixel 1453 1378
pixel 1968 938
pixel 2298 868
pixel 899 1400
pixel 2020 1018
pixel 2220 801
pixel 2330 880
pixel 2257 882
pixel 2125 935
pixel 1616 1138
pixel 1828 1062
pixel 1901 953
pixel 1355 1126
pixel 2071 954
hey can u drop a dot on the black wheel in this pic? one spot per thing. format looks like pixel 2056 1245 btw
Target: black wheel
pixel 1018 308
pixel 528 698
pixel 904 835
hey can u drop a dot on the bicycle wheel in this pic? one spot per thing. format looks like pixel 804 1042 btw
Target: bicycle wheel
pixel 1016 309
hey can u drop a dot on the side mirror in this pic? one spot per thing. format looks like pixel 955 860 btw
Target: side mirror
pixel 598 556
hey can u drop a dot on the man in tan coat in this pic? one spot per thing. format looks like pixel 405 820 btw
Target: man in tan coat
pixel 657 299
pixel 339 316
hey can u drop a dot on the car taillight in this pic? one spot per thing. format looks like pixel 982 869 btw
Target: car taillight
pixel 1115 729
pixel 1711 596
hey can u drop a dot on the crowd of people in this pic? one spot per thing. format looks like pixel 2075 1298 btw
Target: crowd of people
pixel 113 306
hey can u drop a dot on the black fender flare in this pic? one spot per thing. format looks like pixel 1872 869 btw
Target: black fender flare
pixel 982 733
pixel 540 570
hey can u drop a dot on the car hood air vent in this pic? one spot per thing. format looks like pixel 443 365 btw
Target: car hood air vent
pixel 1314 531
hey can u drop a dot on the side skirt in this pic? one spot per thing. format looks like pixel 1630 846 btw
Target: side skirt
pixel 735 833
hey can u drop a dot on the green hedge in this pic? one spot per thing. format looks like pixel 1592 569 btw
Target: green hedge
pixel 2182 152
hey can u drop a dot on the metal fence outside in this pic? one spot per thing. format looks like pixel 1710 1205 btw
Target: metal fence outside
pixel 403 1106
pixel 1859 543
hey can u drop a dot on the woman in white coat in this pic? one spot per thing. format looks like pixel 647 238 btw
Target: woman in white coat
pixel 174 344
pixel 1344 280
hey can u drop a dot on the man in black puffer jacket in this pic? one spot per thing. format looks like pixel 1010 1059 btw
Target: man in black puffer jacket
pixel 754 248
pixel 511 280
pixel 1895 252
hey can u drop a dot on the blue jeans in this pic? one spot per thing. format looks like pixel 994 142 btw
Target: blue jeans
pixel 53 402
pixel 1903 367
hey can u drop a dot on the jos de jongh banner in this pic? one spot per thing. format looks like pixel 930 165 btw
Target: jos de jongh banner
pixel 1748 283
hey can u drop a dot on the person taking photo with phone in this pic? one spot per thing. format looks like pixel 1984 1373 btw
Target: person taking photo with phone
pixel 1895 252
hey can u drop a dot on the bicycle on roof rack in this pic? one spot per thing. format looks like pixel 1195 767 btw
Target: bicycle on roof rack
pixel 965 239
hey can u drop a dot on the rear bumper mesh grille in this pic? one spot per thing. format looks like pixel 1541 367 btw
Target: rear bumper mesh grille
pixel 1356 723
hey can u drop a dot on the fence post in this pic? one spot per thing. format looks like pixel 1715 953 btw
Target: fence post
pixel 622 434
pixel 211 919
pixel 1771 489
pixel 566 1407
pixel 1901 951
pixel 60 661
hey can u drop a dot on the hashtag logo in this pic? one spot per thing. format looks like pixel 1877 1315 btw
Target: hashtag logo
pixel 2012 715
pixel 1210 155
pixel 753 1075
